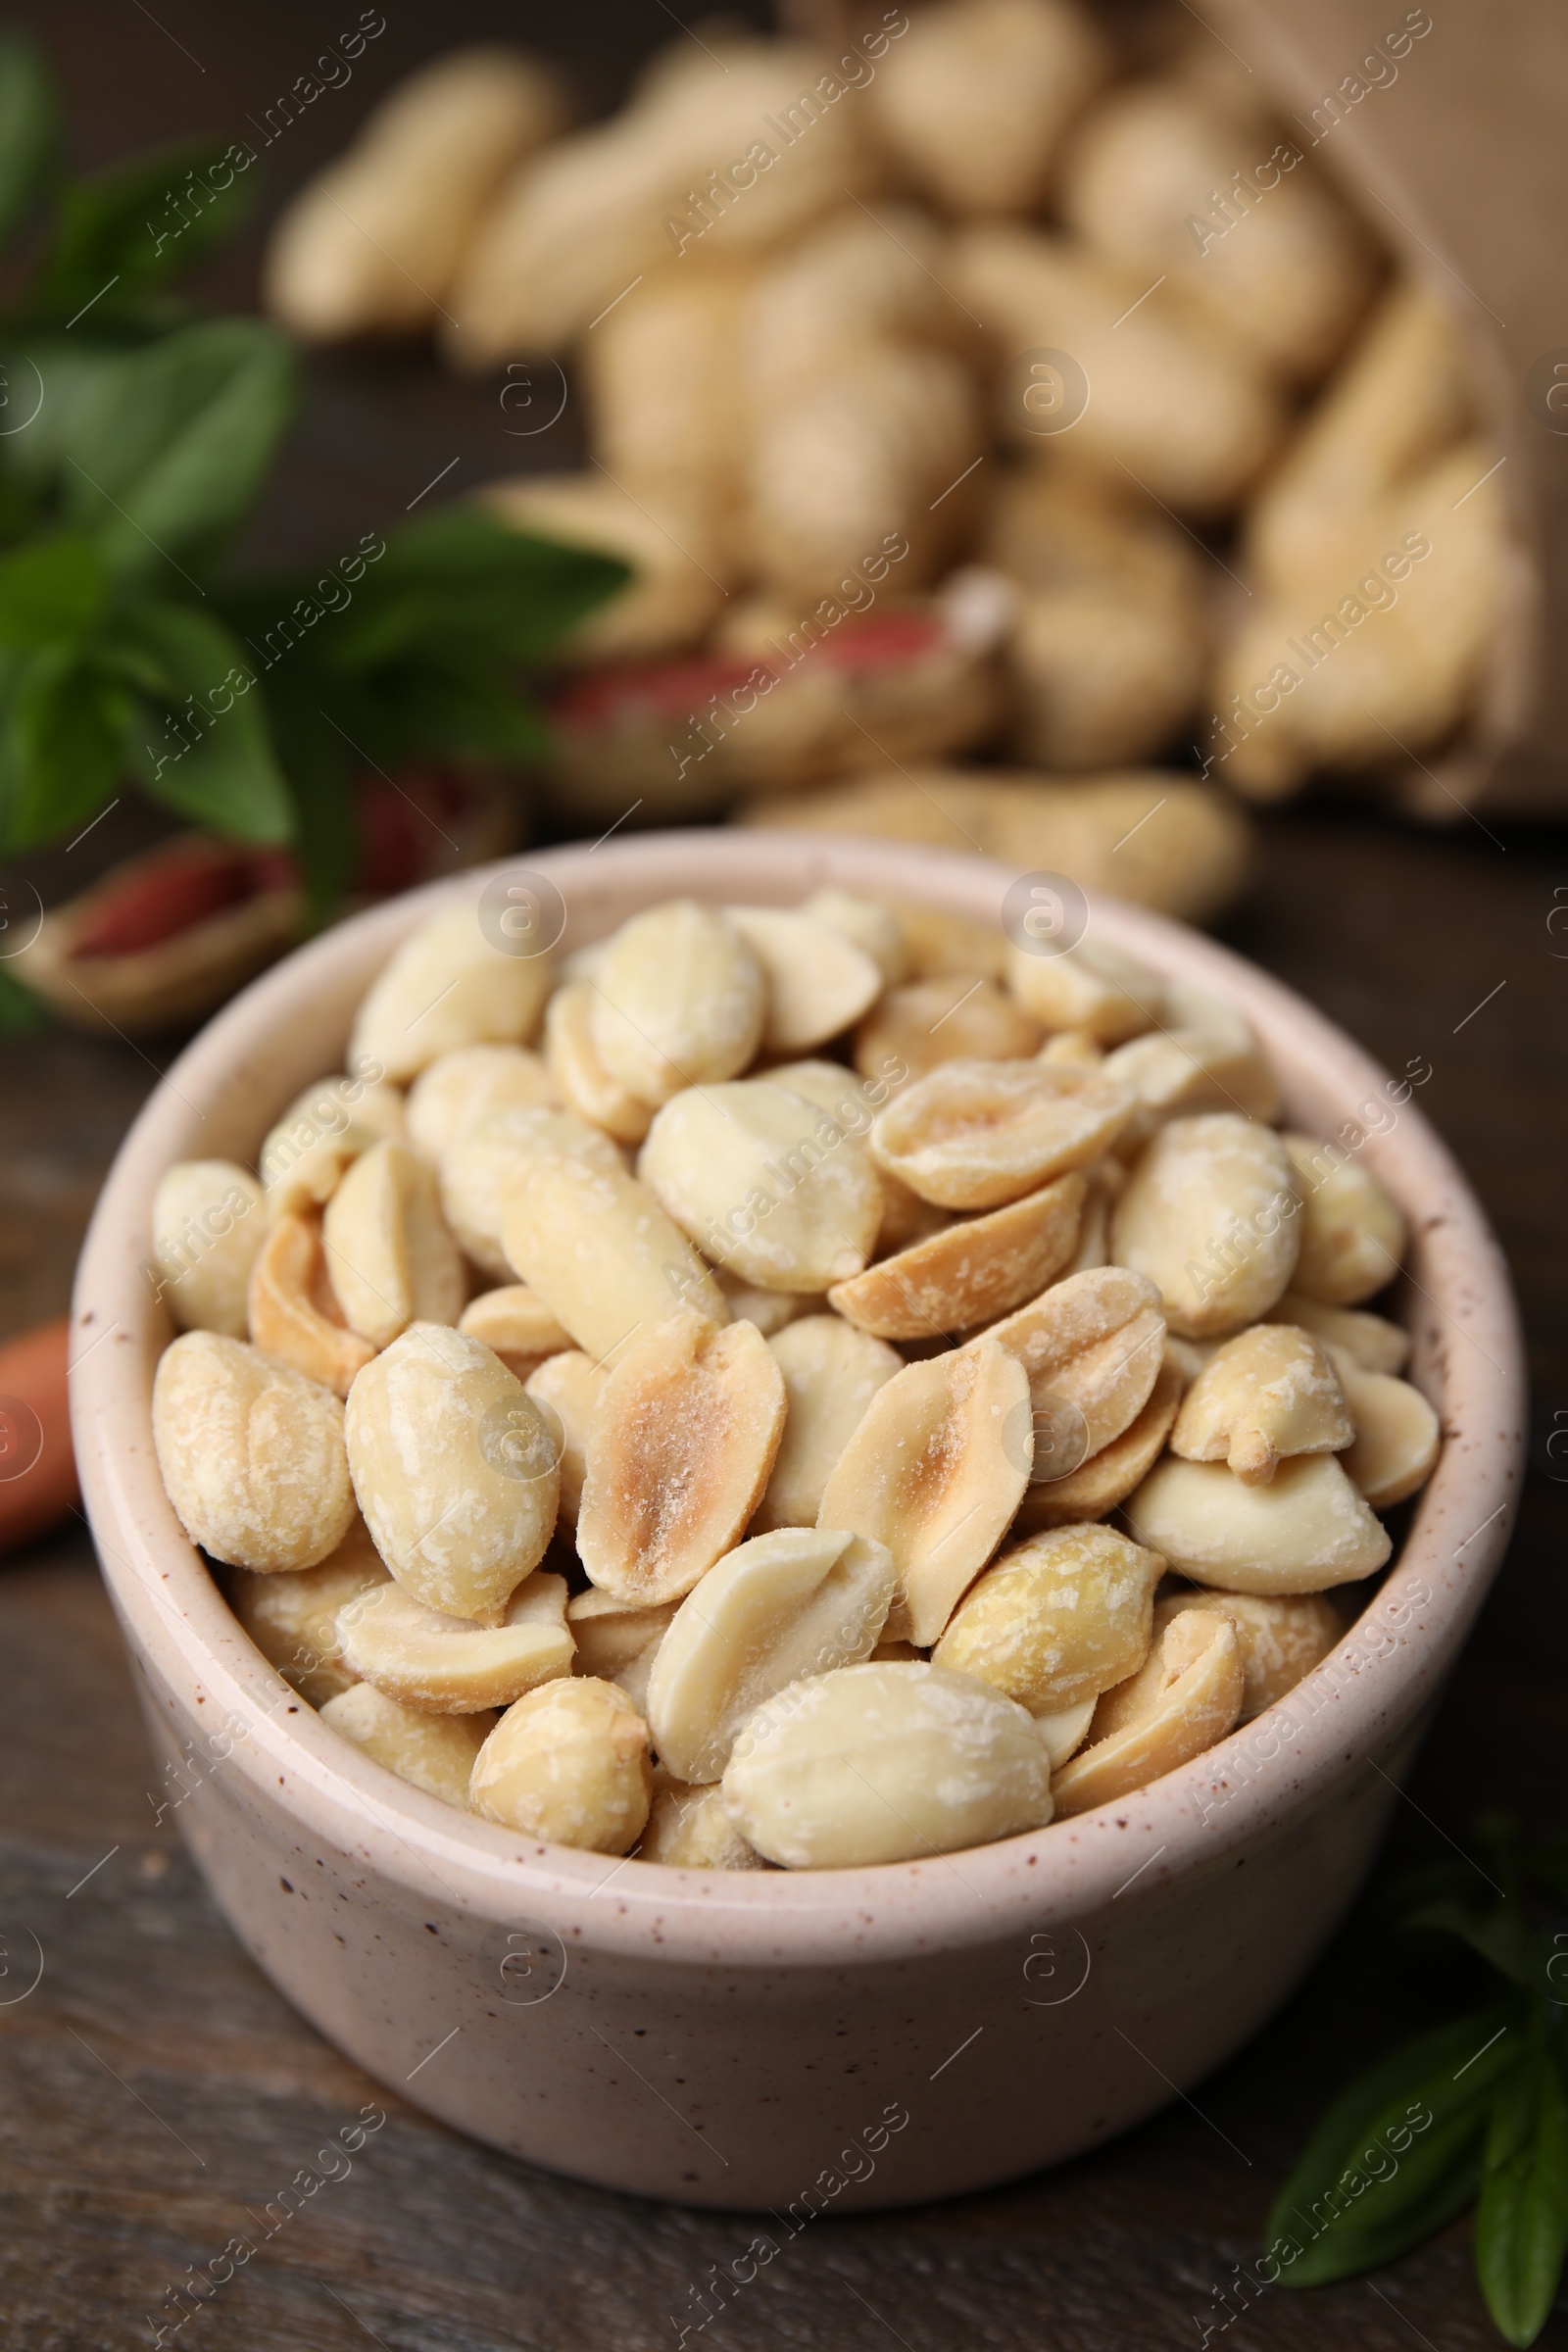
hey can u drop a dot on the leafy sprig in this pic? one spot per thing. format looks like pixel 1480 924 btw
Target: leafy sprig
pixel 1473 2113
pixel 126 648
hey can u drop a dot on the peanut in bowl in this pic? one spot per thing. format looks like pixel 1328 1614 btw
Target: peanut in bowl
pixel 713 2033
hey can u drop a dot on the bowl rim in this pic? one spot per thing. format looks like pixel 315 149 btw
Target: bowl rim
pixel 179 1626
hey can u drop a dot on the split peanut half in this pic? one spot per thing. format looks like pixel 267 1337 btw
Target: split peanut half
pixel 680 1448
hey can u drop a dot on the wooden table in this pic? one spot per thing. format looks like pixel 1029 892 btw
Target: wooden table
pixel 155 2093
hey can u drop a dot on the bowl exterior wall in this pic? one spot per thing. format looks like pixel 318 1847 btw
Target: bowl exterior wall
pixel 795 2041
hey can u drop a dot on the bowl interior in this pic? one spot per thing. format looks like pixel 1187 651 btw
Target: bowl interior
pixel 291 1027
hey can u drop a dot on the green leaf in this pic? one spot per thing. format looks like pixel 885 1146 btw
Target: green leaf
pixel 62 730
pixel 20 1013
pixel 1521 2220
pixel 458 580
pixel 173 441
pixel 143 220
pixel 212 757
pixel 51 590
pixel 1358 2196
pixel 28 127
pixel 319 766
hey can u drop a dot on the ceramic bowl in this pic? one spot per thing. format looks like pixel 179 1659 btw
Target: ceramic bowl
pixel 857 2037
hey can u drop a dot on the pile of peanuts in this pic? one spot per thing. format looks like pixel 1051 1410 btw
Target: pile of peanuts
pixel 916 378
pixel 756 1506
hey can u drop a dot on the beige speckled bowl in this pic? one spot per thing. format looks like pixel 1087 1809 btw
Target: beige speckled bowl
pixel 850 2038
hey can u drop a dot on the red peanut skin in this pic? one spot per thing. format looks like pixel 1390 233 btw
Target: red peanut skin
pixel 32 1374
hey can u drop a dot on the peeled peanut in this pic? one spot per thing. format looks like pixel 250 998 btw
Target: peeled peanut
pixel 818 981
pixel 905 1217
pixel 885 1764
pixel 764 1182
pixel 294 1313
pixel 974 96
pixel 465 1085
pixel 971 1270
pixel 1354 1238
pixel 1095 990
pixel 596 1246
pixel 1072 1049
pixel 432 1753
pixel 322 1133
pixel 569 1764
pixel 454 1470
pixel 1401 398
pixel 447 986
pixel 1163 178
pixel 690 1829
pixel 1177 401
pixel 679 1001
pixel 832 1373
pixel 518 1326
pixel 618 1641
pixel 480 1164
pixel 871 923
pixel 936 940
pixel 251 1453
pixel 1268 1393
pixel 1109 1476
pixel 1282 1637
pixel 1092 1346
pixel 956 1016
pixel 680 1448
pixel 850 1102
pixel 797 1601
pixel 207 1227
pixel 293 1619
pixel 373 245
pixel 449 1665
pixel 389 1257
pixel 770 1311
pixel 1372 1342
pixel 1181 1072
pixel 568 1386
pixel 1397 1434
pixel 1306 1531
pixel 585 1084
pixel 1210 1214
pixel 976 1134
pixel 1057 1619
pixel 935 1471
pixel 1188 1696
pixel 1062 1735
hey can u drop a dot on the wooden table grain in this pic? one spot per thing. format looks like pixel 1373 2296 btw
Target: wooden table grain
pixel 157 2095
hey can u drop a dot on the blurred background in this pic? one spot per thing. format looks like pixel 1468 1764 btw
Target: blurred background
pixel 1074 663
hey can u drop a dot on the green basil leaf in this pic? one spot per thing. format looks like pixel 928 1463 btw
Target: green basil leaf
pixel 30 128
pixel 61 743
pixel 148 219
pixel 1375 2174
pixel 1522 2219
pixel 48 382
pixel 51 591
pixel 173 442
pixel 319 766
pixel 1498 1931
pixel 211 757
pixel 460 580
